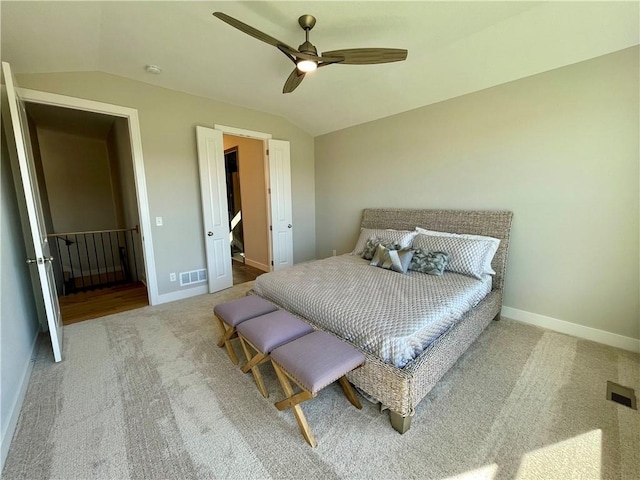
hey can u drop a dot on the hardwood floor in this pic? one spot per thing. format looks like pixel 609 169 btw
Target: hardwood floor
pixel 81 306
pixel 244 273
pixel 105 301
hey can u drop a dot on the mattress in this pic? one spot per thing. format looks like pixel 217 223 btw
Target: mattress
pixel 390 315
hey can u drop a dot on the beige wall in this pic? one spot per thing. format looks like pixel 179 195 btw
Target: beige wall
pixel 251 170
pixel 559 149
pixel 167 121
pixel 78 182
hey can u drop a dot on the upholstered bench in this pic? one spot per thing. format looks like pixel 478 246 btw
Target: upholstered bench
pixel 233 313
pixel 265 333
pixel 313 362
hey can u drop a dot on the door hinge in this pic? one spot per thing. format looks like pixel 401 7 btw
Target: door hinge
pixel 269 190
pixel 270 228
pixel 267 151
pixel 272 263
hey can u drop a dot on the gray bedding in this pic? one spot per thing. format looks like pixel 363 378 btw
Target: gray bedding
pixel 388 314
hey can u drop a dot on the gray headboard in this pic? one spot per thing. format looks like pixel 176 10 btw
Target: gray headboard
pixel 477 222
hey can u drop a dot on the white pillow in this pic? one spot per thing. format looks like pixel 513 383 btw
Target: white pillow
pixel 403 237
pixel 467 256
pixel 495 243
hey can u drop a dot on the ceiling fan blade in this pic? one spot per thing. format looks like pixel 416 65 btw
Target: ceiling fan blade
pixel 367 56
pixel 249 30
pixel 293 81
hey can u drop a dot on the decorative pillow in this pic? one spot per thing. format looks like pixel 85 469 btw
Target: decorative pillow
pixel 403 237
pixel 495 242
pixel 433 263
pixel 466 255
pixel 370 249
pixel 396 260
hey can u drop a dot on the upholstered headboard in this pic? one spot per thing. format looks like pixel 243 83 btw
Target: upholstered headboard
pixel 477 222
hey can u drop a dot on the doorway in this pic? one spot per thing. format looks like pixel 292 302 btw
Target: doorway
pixel 83 162
pixel 247 204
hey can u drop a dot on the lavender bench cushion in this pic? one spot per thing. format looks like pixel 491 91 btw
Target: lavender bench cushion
pixel 237 311
pixel 317 360
pixel 273 329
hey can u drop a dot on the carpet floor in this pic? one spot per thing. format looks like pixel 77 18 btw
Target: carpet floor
pixel 147 394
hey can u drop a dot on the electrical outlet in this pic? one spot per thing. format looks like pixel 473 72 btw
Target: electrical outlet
pixel 172 277
pixel 334 253
pixel 158 221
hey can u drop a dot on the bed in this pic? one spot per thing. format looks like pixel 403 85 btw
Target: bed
pixel 408 355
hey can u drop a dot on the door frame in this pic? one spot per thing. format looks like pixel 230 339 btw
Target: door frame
pixel 131 115
pixel 241 132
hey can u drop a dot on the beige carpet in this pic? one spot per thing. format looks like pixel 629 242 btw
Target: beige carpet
pixel 147 394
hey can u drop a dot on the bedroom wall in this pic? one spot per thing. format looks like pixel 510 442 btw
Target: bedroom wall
pixel 167 121
pixel 19 319
pixel 559 149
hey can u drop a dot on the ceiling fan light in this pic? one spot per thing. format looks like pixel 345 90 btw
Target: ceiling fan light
pixel 306 66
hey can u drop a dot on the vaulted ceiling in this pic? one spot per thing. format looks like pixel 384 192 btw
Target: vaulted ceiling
pixel 455 48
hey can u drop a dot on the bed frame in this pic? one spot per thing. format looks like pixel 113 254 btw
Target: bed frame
pixel 401 389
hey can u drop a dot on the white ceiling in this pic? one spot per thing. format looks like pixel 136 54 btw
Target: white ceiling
pixel 455 48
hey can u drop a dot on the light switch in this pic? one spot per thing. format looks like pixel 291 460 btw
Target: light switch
pixel 158 221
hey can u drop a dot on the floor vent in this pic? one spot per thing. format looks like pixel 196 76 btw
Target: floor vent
pixel 195 276
pixel 622 395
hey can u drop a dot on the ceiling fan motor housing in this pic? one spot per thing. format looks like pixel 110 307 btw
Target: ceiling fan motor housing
pixel 307 47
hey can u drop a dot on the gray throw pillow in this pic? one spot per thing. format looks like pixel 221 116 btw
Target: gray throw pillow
pixel 433 263
pixel 396 260
pixel 370 248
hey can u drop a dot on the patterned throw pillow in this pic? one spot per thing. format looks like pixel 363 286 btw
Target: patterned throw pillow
pixel 370 248
pixel 495 243
pixel 396 260
pixel 403 237
pixel 433 263
pixel 466 255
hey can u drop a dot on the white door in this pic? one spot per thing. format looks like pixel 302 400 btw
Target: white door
pixel 42 261
pixel 281 217
pixel 213 188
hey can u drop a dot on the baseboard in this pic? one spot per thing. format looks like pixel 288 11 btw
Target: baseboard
pixel 588 333
pixel 258 265
pixel 182 294
pixel 12 423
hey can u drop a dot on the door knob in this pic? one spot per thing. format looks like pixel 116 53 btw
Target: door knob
pixel 210 234
pixel 31 260
pixel 289 226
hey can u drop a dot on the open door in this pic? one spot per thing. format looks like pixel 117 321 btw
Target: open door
pixel 281 216
pixel 25 179
pixel 213 188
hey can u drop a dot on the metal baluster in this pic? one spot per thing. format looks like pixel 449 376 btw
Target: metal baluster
pixel 59 255
pixel 79 261
pixel 95 254
pixel 104 256
pixel 135 262
pixel 72 280
pixel 86 248
pixel 113 263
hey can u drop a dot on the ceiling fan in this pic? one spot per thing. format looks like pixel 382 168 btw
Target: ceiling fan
pixel 306 58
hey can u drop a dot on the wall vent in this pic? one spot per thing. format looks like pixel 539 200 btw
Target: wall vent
pixel 622 395
pixel 194 276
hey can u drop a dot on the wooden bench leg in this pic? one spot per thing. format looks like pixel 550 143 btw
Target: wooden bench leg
pixel 227 334
pixel 297 411
pixel 399 423
pixel 257 376
pixel 348 391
